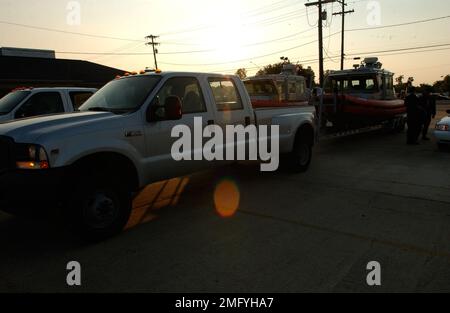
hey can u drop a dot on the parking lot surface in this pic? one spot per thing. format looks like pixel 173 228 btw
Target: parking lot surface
pixel 367 197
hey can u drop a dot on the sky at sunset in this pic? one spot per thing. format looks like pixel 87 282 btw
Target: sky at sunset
pixel 222 36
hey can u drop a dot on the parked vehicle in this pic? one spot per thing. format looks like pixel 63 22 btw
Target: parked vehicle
pixel 31 102
pixel 441 97
pixel 90 162
pixel 361 97
pixel 442 131
pixel 280 90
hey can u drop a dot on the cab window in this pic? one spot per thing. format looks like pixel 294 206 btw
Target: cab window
pixel 225 94
pixel 41 104
pixel 187 89
pixel 78 98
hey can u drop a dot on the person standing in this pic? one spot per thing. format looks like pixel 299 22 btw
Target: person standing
pixel 428 104
pixel 414 116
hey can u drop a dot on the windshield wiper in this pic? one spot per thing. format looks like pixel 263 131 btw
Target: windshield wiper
pixel 99 109
pixel 111 110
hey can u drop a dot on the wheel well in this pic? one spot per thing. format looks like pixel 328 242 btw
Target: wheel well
pixel 108 165
pixel 305 132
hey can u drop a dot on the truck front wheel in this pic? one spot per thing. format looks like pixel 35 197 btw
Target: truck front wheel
pixel 99 209
pixel 299 160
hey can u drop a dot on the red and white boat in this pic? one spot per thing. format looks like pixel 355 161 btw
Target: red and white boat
pixel 362 96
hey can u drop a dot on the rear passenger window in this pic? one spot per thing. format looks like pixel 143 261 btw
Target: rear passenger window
pixel 41 104
pixel 225 94
pixel 78 98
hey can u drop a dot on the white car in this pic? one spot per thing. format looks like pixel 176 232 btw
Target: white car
pixel 31 102
pixel 442 131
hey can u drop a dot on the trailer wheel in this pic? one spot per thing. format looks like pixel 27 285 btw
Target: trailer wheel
pixel 299 160
pixel 99 209
pixel 401 125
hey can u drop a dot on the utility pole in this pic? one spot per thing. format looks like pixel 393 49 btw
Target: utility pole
pixel 343 12
pixel 319 4
pixel 153 44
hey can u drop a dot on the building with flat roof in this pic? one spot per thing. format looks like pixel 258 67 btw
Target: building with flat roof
pixel 24 52
pixel 40 68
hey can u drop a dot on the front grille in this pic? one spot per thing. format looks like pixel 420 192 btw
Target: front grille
pixel 6 145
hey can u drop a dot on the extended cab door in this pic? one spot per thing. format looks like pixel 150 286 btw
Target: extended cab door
pixel 231 105
pixel 159 162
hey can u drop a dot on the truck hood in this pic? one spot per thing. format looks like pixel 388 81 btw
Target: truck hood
pixel 29 130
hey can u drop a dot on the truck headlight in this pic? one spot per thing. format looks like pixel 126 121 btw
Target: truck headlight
pixel 442 127
pixel 31 157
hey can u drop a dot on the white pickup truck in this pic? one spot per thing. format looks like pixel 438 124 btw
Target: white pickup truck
pixel 90 163
pixel 30 102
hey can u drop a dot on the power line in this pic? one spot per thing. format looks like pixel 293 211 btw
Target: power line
pixel 270 9
pixel 383 53
pixel 406 49
pixel 394 52
pixel 241 60
pixel 401 24
pixel 68 32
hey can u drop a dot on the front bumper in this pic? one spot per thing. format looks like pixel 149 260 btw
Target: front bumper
pixel 31 191
pixel 442 136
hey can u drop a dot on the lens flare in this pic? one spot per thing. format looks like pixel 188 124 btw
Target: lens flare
pixel 226 198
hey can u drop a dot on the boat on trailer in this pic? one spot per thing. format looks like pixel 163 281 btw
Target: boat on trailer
pixel 362 96
pixel 278 90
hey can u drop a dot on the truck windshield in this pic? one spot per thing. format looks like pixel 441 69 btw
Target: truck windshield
pixel 11 100
pixel 122 95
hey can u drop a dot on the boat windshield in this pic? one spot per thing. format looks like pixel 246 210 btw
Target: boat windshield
pixel 352 84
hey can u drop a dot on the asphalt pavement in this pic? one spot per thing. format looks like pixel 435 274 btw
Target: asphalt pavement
pixel 367 197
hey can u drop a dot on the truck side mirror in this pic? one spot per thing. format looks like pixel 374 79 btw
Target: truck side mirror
pixel 173 109
pixel 448 111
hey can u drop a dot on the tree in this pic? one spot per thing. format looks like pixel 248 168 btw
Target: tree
pixel 399 80
pixel 242 73
pixel 308 73
pixel 400 86
pixel 276 68
pixel 425 87
pixel 442 86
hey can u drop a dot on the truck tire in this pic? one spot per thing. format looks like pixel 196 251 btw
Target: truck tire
pixel 99 209
pixel 299 160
